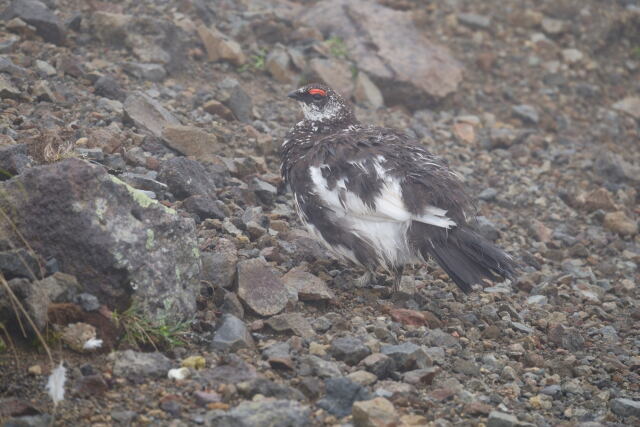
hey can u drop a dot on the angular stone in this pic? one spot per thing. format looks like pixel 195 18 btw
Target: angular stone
pixel 37 14
pixel 111 28
pixel 232 335
pixel 295 322
pixel 600 198
pixel 147 114
pixel 408 68
pixel 527 113
pixel 130 363
pixel 192 141
pixel 113 238
pixel 237 99
pixel 620 223
pixel 320 367
pixel 260 288
pixel 334 72
pixel 567 338
pixel 14 159
pixel 220 47
pixel 500 419
pixel 307 286
pixel 349 349
pixel 8 90
pixel 278 64
pixel 367 93
pixel 629 105
pixel 625 407
pixel 150 72
pixel 219 266
pixel 186 177
pixel 20 263
pixel 267 412
pixel 378 412
pixel 407 356
pixel 419 377
pixel 475 21
pixel 341 394
pixel 364 378
pixel 379 364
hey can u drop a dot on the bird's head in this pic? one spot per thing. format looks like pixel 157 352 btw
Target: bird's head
pixel 320 103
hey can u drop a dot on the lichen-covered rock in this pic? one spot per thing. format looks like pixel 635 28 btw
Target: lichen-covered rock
pixel 120 244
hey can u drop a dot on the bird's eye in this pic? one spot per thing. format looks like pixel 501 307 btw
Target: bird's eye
pixel 317 97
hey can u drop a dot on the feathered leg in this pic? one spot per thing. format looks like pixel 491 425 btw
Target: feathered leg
pixel 364 280
pixel 397 278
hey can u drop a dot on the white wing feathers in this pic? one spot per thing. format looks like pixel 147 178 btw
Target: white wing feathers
pixel 389 206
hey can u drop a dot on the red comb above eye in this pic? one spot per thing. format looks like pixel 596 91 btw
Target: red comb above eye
pixel 317 92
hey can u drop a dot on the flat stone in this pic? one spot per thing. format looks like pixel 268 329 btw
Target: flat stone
pixel 192 141
pixel 367 93
pixel 341 393
pixel 572 56
pixel 620 223
pixel 527 113
pixel 334 72
pixel 363 377
pixel 236 99
pixel 320 367
pixel 416 75
pixel 232 335
pixel 8 90
pixel 294 322
pixel 475 21
pixel 629 105
pixel 349 349
pixel 378 412
pixel 278 64
pixel 307 286
pixel 379 364
pixel 219 266
pixel 260 288
pixel 131 363
pixel 500 419
pixel 407 356
pixel 37 14
pixel 186 177
pixel 419 377
pixel 147 114
pixel 625 407
pixel 150 72
pixel 220 47
pixel 267 412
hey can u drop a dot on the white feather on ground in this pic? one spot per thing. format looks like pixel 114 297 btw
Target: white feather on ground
pixel 55 384
pixel 92 344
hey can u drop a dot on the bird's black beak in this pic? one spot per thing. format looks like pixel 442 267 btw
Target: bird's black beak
pixel 295 95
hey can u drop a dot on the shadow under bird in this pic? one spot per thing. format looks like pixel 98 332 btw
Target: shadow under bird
pixel 377 198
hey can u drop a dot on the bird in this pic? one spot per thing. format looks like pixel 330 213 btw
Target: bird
pixel 377 198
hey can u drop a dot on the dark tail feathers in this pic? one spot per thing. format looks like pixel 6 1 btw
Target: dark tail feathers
pixel 467 257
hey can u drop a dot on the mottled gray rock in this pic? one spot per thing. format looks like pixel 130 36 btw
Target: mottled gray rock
pixel 260 288
pixel 192 141
pixel 114 239
pixel 278 64
pixel 219 266
pixel 407 356
pixel 19 263
pixel 625 407
pixel 268 412
pixel 130 363
pixel 237 99
pixel 313 365
pixel 615 168
pixel 307 286
pixel 500 419
pixel 147 114
pixel 294 322
pixel 7 66
pixel 8 90
pixel 232 334
pixel 186 177
pixel 474 20
pixel 204 207
pixel 36 296
pixel 14 159
pixel 349 349
pixel 527 113
pixel 379 364
pixel 341 394
pixel 268 388
pixel 150 72
pixel 87 301
pixel 37 14
pixel 109 87
pixel 415 75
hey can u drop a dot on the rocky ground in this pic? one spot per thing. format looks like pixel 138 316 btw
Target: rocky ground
pixel 145 209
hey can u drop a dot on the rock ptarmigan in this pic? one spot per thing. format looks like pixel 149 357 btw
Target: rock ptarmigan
pixel 377 198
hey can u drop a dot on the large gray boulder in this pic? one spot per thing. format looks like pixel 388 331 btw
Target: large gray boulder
pixel 120 244
pixel 386 44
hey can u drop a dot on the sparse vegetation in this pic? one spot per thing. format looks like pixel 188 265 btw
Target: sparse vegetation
pixel 256 62
pixel 337 47
pixel 139 331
